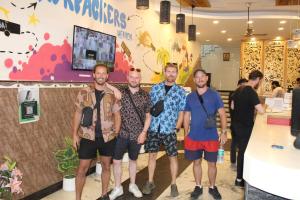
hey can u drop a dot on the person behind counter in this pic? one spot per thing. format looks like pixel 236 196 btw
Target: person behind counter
pixel 277 90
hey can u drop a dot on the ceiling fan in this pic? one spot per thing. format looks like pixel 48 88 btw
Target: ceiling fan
pixel 250 31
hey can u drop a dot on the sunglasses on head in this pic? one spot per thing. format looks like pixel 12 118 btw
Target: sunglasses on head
pixel 135 69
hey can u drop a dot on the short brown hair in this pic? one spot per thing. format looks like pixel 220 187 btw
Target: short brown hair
pixel 100 65
pixel 200 70
pixel 174 65
pixel 255 74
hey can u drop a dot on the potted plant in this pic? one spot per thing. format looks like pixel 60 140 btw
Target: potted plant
pixel 10 179
pixel 67 162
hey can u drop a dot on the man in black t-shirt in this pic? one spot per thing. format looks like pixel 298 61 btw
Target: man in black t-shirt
pixel 245 102
pixel 233 145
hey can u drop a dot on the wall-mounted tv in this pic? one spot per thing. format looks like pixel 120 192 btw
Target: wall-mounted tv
pixel 92 47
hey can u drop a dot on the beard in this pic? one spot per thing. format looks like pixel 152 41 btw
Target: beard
pixel 201 85
pixel 100 81
pixel 134 85
pixel 171 79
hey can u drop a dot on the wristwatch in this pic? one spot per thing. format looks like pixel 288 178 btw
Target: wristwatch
pixel 177 130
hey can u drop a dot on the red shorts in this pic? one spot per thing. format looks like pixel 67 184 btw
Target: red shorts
pixel 194 149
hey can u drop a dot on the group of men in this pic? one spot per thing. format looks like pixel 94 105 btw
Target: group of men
pixel 121 121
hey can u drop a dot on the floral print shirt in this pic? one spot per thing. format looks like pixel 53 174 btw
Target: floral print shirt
pixel 108 106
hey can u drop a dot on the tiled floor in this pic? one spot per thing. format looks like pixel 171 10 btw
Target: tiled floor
pixel 185 182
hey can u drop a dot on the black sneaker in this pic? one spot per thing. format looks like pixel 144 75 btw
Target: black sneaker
pixel 197 192
pixel 239 183
pixel 105 197
pixel 215 193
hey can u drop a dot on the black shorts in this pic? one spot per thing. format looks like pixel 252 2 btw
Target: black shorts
pixel 154 140
pixel 88 148
pixel 124 145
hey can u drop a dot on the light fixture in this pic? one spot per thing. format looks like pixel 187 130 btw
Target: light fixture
pixel 223 31
pixel 207 40
pixel 250 22
pixel 198 33
pixel 142 4
pixel 229 39
pixel 215 22
pixel 282 22
pixel 252 39
pixel 192 29
pixel 278 38
pixel 164 16
pixel 280 28
pixel 180 22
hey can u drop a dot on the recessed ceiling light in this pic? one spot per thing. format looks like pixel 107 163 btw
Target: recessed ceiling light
pixel 250 22
pixel 207 40
pixel 280 28
pixel 215 22
pixel 223 31
pixel 229 39
pixel 197 33
pixel 282 22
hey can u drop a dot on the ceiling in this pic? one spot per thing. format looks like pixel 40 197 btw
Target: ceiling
pixel 232 17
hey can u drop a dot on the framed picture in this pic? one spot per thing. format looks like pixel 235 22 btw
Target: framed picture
pixel 226 56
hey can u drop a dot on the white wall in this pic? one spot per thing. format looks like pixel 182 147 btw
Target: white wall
pixel 225 74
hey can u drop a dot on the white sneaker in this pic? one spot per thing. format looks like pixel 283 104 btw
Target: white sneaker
pixel 133 188
pixel 117 191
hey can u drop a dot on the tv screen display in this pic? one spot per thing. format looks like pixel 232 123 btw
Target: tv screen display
pixel 92 47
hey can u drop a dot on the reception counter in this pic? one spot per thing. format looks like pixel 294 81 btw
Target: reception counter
pixel 271 173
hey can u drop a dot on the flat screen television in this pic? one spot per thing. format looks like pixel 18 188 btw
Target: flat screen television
pixel 92 47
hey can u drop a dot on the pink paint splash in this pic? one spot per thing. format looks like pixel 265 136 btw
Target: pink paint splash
pixel 46 36
pixel 53 63
pixel 8 62
pixel 42 62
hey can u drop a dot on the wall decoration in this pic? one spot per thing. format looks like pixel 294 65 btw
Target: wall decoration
pixel 292 67
pixel 273 64
pixel 29 104
pixel 35 46
pixel 275 59
pixel 251 57
pixel 226 56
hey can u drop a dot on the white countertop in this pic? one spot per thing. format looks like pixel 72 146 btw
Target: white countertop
pixel 274 171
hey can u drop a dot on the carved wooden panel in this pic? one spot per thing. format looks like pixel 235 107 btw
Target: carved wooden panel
pixel 251 57
pixel 274 54
pixel 196 3
pixel 292 67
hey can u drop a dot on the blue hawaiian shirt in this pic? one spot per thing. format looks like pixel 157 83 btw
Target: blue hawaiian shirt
pixel 174 102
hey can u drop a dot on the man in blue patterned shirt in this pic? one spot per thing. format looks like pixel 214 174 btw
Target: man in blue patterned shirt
pixel 164 127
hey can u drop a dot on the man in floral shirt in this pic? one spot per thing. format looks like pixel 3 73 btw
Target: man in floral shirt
pixel 101 134
pixel 135 114
pixel 163 128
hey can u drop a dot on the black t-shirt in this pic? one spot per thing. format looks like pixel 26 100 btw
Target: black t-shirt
pixel 168 87
pixel 99 94
pixel 245 99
